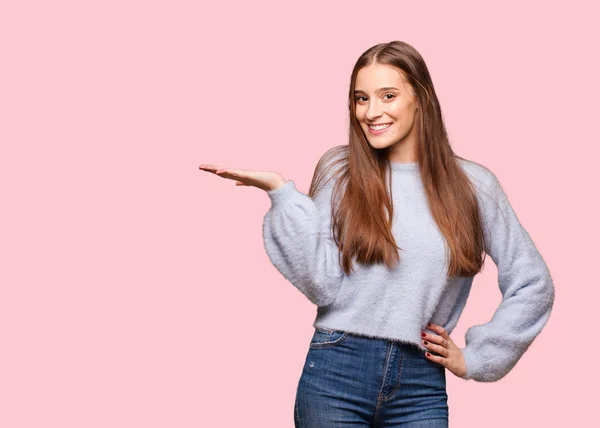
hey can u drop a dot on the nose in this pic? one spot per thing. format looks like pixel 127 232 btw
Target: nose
pixel 373 111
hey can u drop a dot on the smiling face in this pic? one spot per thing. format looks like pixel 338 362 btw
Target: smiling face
pixel 383 97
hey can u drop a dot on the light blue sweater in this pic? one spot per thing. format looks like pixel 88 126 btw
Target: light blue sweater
pixel 397 303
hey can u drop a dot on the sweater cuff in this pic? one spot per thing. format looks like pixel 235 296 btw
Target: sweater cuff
pixel 471 361
pixel 282 193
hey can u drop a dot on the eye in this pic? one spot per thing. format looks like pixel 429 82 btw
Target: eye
pixel 385 95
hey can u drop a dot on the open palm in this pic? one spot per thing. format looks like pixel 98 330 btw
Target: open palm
pixel 265 180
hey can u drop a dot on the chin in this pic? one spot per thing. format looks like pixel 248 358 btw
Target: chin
pixel 379 144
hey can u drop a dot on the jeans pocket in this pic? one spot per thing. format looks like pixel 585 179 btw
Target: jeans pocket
pixel 326 337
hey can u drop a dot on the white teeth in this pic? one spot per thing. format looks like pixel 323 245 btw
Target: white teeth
pixel 379 127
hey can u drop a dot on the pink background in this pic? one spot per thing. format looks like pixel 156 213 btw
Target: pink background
pixel 135 289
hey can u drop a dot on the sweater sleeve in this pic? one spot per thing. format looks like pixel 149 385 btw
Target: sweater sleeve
pixel 492 349
pixel 299 242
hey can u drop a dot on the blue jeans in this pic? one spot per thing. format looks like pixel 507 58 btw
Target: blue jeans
pixel 351 380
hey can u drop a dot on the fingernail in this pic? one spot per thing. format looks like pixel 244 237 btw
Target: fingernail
pixel 425 342
pixel 423 335
pixel 428 354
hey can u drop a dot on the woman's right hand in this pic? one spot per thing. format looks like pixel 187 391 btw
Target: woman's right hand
pixel 265 180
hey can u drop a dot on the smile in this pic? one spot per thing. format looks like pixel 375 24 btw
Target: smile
pixel 380 127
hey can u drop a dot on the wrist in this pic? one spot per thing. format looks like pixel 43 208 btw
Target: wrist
pixel 277 184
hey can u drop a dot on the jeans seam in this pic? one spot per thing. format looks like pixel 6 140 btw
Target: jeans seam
pixel 296 411
pixel 385 370
pixel 391 394
pixel 340 339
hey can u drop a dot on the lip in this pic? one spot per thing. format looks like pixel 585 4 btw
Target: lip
pixel 372 131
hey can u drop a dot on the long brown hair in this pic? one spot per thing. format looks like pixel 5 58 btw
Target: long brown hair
pixel 360 225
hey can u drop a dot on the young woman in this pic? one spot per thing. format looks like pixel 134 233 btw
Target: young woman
pixel 386 244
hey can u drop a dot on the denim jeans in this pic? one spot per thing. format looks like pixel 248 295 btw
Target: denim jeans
pixel 351 380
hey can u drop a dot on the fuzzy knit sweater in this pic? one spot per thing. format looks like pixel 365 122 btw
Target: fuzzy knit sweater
pixel 397 303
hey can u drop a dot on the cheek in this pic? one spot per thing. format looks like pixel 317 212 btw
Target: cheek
pixel 359 116
pixel 399 110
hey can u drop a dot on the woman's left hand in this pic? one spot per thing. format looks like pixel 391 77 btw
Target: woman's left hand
pixel 451 356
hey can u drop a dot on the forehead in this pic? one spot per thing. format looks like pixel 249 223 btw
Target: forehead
pixel 375 76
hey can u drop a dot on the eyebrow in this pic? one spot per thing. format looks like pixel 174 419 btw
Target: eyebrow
pixel 387 88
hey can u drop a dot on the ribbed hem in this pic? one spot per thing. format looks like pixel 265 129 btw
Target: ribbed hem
pixel 400 166
pixel 282 193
